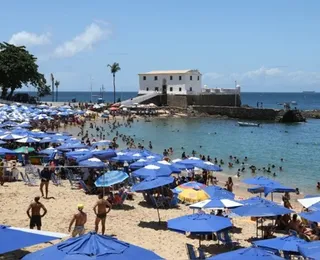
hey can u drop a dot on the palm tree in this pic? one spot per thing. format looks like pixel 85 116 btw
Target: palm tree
pixel 57 83
pixel 114 68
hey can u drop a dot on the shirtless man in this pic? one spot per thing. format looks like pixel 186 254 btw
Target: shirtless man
pixel 101 213
pixel 80 219
pixel 35 217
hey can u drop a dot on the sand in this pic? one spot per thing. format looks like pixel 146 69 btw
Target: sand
pixel 135 224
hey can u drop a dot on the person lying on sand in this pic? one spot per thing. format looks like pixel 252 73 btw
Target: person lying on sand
pixel 35 216
pixel 80 219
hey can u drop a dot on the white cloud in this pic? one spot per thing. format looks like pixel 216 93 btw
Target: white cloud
pixel 29 39
pixel 84 41
pixel 264 78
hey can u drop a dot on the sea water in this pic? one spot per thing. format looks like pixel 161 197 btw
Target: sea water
pixel 298 145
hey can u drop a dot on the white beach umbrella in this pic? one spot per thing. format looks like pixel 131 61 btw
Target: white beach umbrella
pixel 308 202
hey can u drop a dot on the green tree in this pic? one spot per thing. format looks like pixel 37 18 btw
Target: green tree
pixel 18 68
pixel 114 68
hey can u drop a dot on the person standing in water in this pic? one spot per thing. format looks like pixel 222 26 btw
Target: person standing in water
pixel 80 219
pixel 100 210
pixel 35 216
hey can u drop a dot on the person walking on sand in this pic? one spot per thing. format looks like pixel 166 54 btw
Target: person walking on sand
pixel 80 218
pixel 100 210
pixel 45 176
pixel 35 216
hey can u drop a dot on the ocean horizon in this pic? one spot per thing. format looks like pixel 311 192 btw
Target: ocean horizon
pixel 305 101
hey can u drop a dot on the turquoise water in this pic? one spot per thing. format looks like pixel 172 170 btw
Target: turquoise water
pixel 298 144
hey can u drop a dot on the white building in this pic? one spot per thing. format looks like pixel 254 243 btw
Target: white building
pixel 171 82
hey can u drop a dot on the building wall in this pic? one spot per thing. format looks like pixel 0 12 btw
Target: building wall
pixel 174 86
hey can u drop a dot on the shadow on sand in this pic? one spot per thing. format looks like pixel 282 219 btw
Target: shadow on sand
pixel 155 225
pixel 123 207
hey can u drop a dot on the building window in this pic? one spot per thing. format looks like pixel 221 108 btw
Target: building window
pixel 180 77
pixel 144 77
pixel 190 77
pixel 155 77
pixel 171 89
pixel 180 89
pixel 171 77
pixel 190 88
pixel 156 89
pixel 198 77
pixel 147 89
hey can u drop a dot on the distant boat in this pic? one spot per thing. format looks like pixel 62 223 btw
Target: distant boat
pixel 308 92
pixel 248 124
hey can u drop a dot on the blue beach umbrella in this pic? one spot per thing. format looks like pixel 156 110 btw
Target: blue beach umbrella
pixel 310 250
pixel 260 180
pixel 11 137
pixel 16 238
pixel 111 178
pixel 182 167
pixel 270 188
pixel 92 246
pixel 313 216
pixel 76 154
pixel 209 166
pixel 152 171
pixel 199 224
pixel 191 161
pixel 72 145
pixel 2 142
pixel 48 151
pixel 151 183
pixel 216 204
pixel 92 163
pixel 28 140
pixel 4 151
pixel 122 157
pixel 104 154
pixel 169 165
pixel 250 253
pixel 139 164
pixel 287 243
pixel 258 207
pixel 218 193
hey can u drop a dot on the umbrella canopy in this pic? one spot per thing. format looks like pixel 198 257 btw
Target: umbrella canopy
pixel 171 166
pixel 72 145
pixel 16 238
pixel 48 151
pixel 139 164
pixel 151 183
pixel 24 149
pixel 4 151
pixel 216 192
pixel 152 171
pixel 271 187
pixel 310 250
pixel 122 157
pixel 111 178
pixel 260 180
pixel 191 161
pixel 216 204
pixel 192 185
pixel 199 223
pixel 92 163
pixel 313 216
pixel 258 207
pixel 92 246
pixel 209 166
pixel 28 139
pixel 310 201
pixel 10 137
pixel 250 253
pixel 192 195
pixel 287 243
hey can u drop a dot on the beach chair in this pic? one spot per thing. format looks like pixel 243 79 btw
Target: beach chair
pixel 73 183
pixel 192 253
pixel 31 180
pixel 123 198
pixel 85 187
pixel 157 203
pixel 225 239
pixel 174 202
pixel 55 180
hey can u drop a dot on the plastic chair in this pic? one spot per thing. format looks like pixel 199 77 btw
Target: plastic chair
pixel 224 238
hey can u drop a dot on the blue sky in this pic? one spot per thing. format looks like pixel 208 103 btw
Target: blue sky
pixel 264 45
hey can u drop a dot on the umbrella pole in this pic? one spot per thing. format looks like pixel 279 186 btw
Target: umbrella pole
pixel 257 227
pixel 271 196
pixel 158 215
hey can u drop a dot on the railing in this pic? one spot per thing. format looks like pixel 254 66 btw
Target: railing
pixel 140 99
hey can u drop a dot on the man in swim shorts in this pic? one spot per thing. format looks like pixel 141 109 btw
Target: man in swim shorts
pixel 35 217
pixel 100 209
pixel 80 220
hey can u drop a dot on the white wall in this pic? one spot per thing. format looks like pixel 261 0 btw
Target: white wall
pixel 173 85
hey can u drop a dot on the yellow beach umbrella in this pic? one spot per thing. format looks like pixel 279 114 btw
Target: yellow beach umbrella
pixel 192 195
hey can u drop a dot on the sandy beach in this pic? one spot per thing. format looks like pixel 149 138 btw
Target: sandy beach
pixel 135 223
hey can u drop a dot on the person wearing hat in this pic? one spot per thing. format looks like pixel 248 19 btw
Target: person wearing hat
pixel 80 219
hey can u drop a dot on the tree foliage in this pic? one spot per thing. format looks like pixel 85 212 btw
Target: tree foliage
pixel 114 68
pixel 18 68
